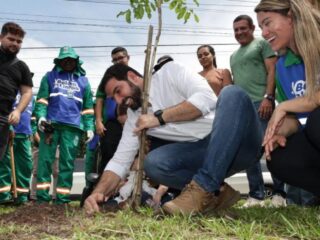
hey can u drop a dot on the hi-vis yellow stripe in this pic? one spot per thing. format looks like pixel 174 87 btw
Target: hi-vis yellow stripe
pixel 87 111
pixel 23 190
pixel 43 101
pixel 63 190
pixel 5 189
pixel 43 186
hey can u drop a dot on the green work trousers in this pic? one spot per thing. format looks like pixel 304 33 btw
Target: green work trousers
pixel 23 166
pixel 90 163
pixel 68 139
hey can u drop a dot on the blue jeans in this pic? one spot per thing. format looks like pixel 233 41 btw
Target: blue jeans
pixel 254 173
pixel 4 136
pixel 232 146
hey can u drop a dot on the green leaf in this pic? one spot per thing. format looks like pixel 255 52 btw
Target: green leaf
pixel 140 11
pixel 122 13
pixel 187 16
pixel 178 8
pixel 182 12
pixel 153 6
pixel 173 4
pixel 148 11
pixel 133 3
pixel 128 16
pixel 196 2
pixel 196 18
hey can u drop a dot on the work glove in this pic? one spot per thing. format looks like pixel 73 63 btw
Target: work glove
pixel 90 135
pixel 40 126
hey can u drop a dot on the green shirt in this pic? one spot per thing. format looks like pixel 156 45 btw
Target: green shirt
pixel 249 70
pixel 103 96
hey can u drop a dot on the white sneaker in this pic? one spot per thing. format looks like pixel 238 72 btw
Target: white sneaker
pixel 278 201
pixel 253 202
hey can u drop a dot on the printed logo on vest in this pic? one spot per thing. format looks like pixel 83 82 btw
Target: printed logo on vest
pixel 67 85
pixel 298 88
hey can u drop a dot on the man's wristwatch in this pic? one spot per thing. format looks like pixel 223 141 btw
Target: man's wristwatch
pixel 158 114
pixel 270 97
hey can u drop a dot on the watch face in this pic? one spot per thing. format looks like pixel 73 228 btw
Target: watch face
pixel 158 113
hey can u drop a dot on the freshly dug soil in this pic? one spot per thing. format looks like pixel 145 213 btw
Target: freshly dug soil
pixel 43 218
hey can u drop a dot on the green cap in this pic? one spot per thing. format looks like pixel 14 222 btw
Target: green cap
pixel 66 52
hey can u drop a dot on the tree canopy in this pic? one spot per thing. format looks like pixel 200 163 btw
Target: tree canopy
pixel 140 8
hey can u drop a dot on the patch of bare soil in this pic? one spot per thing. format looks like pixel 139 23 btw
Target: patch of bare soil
pixel 38 221
pixel 44 219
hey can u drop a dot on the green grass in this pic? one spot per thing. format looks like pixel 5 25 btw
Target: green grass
pixel 255 223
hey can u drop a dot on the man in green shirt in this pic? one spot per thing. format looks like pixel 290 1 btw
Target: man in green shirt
pixel 109 117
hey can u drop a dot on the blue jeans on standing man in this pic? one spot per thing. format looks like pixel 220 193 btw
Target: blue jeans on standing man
pixel 254 173
pixel 233 145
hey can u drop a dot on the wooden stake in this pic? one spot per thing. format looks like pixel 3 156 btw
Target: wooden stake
pixel 13 168
pixel 148 67
pixel 137 190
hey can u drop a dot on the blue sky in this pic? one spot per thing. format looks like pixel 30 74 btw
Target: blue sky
pixel 92 26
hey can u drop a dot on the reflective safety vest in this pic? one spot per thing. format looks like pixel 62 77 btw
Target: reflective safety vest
pixel 66 97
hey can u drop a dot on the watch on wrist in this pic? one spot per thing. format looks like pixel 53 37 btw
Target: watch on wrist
pixel 158 114
pixel 270 97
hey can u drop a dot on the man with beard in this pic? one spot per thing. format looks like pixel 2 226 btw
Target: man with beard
pixel 109 117
pixel 200 141
pixel 14 76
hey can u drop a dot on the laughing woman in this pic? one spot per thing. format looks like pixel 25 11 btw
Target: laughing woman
pixel 292 29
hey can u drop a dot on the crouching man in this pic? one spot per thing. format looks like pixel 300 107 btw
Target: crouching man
pixel 200 140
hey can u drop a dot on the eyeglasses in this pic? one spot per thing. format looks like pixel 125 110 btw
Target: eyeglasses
pixel 114 60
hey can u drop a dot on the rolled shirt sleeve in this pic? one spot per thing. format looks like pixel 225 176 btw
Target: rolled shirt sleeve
pixel 199 92
pixel 180 84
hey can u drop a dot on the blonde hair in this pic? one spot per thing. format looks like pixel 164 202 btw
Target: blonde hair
pixel 315 3
pixel 306 27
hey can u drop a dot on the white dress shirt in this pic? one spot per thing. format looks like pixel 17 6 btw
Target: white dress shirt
pixel 171 85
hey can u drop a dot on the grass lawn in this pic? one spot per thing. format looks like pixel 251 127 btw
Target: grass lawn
pixel 71 223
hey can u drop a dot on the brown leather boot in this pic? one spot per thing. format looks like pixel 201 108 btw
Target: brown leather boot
pixel 192 200
pixel 227 197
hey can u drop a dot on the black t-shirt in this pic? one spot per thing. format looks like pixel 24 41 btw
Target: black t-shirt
pixel 12 76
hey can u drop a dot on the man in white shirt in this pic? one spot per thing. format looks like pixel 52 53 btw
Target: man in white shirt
pixel 194 152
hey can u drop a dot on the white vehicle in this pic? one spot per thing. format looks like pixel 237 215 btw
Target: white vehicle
pixel 79 180
pixel 239 181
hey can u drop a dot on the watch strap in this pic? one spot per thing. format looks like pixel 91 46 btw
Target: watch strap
pixel 270 97
pixel 158 114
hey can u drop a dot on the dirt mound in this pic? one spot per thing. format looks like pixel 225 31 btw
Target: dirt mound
pixel 43 218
